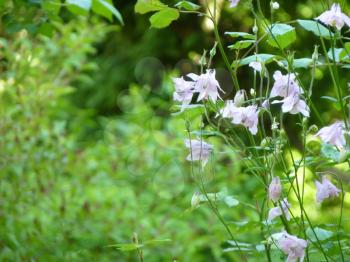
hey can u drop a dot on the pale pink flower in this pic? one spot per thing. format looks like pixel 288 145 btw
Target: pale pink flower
pixel 325 190
pixel 234 3
pixel 275 189
pixel 277 211
pixel 334 17
pixel 183 91
pixel 206 85
pixel 199 150
pixel 333 134
pixel 229 110
pixel 294 104
pixel 292 246
pixel 285 85
pixel 246 116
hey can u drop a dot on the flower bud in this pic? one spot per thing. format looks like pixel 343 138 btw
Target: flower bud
pixel 275 5
pixel 275 189
pixel 252 92
pixel 196 199
pixel 255 28
pixel 239 98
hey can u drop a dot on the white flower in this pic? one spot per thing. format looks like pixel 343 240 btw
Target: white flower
pixel 294 105
pixel 292 246
pixel 285 85
pixel 234 3
pixel 277 211
pixel 325 190
pixel 199 150
pixel 334 17
pixel 275 189
pixel 275 5
pixel 206 85
pixel 183 91
pixel 333 134
pixel 257 66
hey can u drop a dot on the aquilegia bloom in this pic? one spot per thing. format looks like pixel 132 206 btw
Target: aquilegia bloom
pixel 285 85
pixel 334 17
pixel 199 150
pixel 294 104
pixel 325 189
pixel 183 91
pixel 234 3
pixel 292 246
pixel 333 134
pixel 275 189
pixel 206 85
pixel 277 211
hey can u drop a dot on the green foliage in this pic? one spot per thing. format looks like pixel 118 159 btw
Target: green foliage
pixel 281 35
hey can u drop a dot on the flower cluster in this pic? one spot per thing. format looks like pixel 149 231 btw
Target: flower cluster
pixel 287 87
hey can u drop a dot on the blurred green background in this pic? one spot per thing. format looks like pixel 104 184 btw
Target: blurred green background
pixel 89 150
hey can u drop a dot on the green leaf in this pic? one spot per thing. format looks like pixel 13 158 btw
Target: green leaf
pixel 156 241
pixel 240 34
pixel 300 62
pixel 266 58
pixel 127 247
pixel 164 17
pixel 187 6
pixel 146 6
pixel 106 9
pixel 281 35
pixel 241 44
pixel 337 52
pixel 328 151
pixel 316 28
pixel 230 201
pixel 321 234
pixel 83 4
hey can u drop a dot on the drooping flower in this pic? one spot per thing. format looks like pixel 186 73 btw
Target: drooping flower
pixel 234 3
pixel 275 189
pixel 183 91
pixel 325 189
pixel 277 211
pixel 294 104
pixel 334 17
pixel 199 150
pixel 292 246
pixel 206 85
pixel 285 85
pixel 333 134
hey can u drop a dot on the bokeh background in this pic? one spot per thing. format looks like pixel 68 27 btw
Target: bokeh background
pixel 90 151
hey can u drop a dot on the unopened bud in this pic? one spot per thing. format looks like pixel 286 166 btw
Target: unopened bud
pixel 275 5
pixel 252 92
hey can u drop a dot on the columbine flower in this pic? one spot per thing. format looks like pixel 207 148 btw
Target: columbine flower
pixel 292 246
pixel 206 85
pixel 285 85
pixel 294 105
pixel 247 116
pixel 183 91
pixel 277 211
pixel 234 3
pixel 333 134
pixel 199 150
pixel 334 17
pixel 275 189
pixel 325 190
